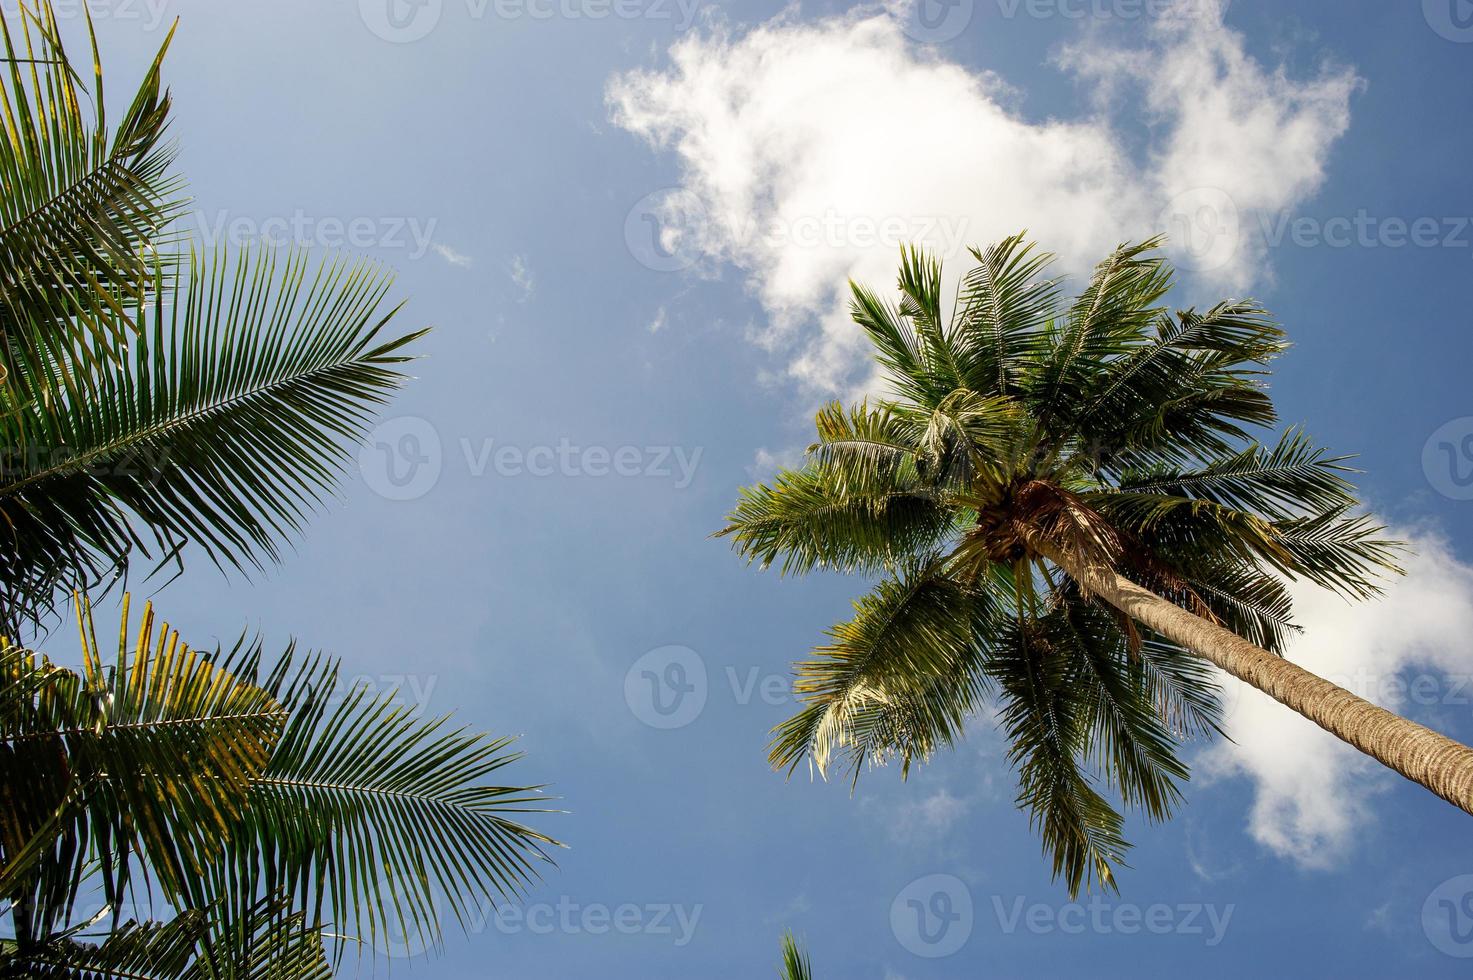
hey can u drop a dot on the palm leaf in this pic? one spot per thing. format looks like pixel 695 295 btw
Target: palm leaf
pixel 226 424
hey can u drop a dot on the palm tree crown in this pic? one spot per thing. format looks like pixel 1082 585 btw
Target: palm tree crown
pixel 1025 438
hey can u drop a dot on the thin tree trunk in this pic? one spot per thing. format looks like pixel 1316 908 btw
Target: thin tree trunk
pixel 1417 752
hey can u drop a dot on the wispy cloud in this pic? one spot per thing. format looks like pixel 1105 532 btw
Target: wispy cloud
pixel 927 818
pixel 658 323
pixel 452 256
pixel 522 277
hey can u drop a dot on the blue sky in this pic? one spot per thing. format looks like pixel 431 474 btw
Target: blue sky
pixel 628 222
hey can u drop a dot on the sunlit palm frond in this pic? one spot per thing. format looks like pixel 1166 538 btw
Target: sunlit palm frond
pixel 796 965
pixel 899 678
pixel 84 209
pixel 148 754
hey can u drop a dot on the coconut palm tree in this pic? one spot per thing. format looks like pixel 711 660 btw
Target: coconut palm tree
pixel 1068 510
pixel 279 816
pixel 151 396
pixel 152 399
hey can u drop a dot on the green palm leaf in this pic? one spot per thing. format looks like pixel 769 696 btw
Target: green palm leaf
pixel 225 423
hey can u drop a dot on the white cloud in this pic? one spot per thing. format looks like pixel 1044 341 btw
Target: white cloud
pixel 452 256
pixel 927 818
pixel 810 150
pixel 658 323
pixel 766 462
pixel 1312 791
pixel 522 277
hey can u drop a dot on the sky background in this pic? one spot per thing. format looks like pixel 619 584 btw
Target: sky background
pixel 630 224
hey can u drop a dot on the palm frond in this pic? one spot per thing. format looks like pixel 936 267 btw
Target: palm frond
pixel 1114 310
pixel 1340 551
pixel 1291 479
pixel 226 423
pixel 83 210
pixel 796 965
pixel 827 517
pixel 370 816
pixel 1005 304
pixel 150 758
pixel 899 679
pixel 190 946
pixel 1047 721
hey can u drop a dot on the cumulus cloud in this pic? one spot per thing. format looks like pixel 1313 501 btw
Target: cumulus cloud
pixel 1409 651
pixel 810 151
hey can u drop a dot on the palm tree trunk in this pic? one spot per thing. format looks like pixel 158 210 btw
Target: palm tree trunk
pixel 1417 752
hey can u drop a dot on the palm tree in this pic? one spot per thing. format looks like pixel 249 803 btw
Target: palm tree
pixel 280 816
pixel 150 399
pixel 151 396
pixel 1068 510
